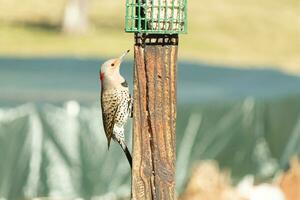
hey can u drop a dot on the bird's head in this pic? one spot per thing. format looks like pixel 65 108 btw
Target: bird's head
pixel 110 76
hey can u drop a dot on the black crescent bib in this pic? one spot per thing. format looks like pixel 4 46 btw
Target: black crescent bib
pixel 124 84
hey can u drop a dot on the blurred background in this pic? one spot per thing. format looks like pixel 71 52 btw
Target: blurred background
pixel 238 127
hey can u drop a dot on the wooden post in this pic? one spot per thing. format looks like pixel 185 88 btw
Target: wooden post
pixel 154 120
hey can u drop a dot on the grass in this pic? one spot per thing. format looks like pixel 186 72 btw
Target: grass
pixel 248 32
pixel 24 41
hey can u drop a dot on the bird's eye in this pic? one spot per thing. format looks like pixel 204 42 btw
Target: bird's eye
pixel 112 64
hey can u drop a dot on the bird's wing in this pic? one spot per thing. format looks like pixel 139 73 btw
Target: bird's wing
pixel 115 109
pixel 109 105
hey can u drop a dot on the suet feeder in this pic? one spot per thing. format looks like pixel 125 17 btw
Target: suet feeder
pixel 156 16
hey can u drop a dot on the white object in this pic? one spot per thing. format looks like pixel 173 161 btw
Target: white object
pixel 247 190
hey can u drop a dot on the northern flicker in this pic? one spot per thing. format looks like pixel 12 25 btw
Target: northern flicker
pixel 116 102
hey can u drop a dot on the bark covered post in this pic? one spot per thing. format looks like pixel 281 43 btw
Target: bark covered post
pixel 156 25
pixel 154 120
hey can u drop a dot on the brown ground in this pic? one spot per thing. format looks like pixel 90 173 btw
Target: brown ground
pixel 208 182
pixel 290 181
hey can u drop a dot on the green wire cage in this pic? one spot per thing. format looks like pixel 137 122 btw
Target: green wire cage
pixel 156 16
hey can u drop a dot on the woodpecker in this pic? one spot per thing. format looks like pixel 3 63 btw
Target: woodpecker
pixel 116 102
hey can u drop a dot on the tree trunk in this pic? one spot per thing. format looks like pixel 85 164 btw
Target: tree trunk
pixel 154 121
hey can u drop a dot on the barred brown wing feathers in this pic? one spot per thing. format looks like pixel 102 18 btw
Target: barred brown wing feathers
pixel 115 111
pixel 109 110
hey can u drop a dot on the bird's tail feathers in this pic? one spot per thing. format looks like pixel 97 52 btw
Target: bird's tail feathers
pixel 127 153
pixel 108 143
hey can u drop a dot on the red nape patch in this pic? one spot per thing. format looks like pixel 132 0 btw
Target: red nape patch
pixel 101 76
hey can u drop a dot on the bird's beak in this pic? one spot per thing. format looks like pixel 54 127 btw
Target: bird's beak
pixel 121 58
